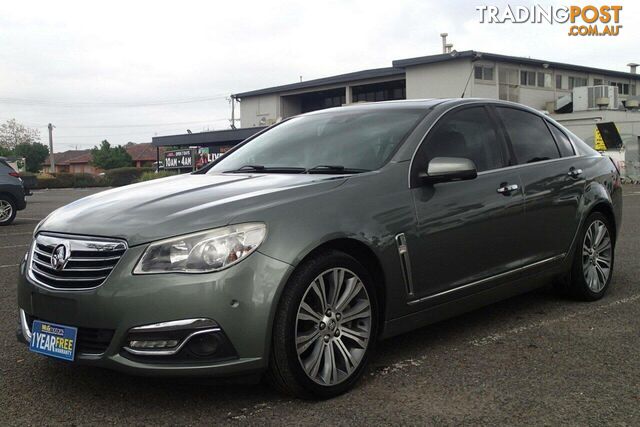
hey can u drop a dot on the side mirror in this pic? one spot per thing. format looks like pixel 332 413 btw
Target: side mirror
pixel 443 169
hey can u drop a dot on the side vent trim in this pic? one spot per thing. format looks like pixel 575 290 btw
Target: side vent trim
pixel 405 262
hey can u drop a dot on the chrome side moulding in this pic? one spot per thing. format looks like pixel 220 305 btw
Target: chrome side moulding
pixel 488 279
pixel 405 262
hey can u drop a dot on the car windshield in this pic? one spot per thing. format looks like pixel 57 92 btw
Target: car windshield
pixel 344 141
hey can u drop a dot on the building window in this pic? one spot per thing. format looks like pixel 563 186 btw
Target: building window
pixel 508 87
pixel 483 72
pixel 544 80
pixel 558 81
pixel 386 91
pixel 323 99
pixel 577 82
pixel 528 78
pixel 623 88
pixel 598 82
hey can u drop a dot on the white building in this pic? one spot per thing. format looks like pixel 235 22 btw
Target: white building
pixel 536 83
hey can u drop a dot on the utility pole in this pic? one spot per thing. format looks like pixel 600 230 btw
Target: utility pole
pixel 233 112
pixel 51 157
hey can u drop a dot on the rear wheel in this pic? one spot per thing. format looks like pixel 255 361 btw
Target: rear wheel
pixel 593 262
pixel 325 327
pixel 7 210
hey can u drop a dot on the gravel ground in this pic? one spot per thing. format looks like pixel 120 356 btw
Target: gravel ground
pixel 533 359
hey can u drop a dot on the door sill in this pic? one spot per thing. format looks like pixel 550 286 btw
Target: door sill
pixel 499 276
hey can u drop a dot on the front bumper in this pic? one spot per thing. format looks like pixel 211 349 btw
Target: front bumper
pixel 241 300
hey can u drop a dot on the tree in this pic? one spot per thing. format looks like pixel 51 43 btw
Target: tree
pixel 35 154
pixel 108 157
pixel 13 133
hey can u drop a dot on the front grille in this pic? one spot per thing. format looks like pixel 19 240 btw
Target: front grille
pixel 72 262
pixel 89 340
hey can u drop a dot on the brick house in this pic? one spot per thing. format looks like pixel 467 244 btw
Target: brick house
pixel 79 161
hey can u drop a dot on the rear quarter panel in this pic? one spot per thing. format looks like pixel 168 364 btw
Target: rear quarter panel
pixel 602 188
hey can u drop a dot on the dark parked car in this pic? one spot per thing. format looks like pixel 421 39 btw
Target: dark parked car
pixel 29 182
pixel 11 193
pixel 297 250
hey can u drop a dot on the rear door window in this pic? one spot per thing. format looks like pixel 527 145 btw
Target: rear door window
pixel 530 138
pixel 468 133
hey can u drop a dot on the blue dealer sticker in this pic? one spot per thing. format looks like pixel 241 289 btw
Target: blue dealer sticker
pixel 53 340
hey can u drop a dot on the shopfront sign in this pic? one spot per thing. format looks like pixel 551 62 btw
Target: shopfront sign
pixel 178 159
pixel 209 154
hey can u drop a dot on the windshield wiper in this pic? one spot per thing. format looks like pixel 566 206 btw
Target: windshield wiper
pixel 265 169
pixel 334 169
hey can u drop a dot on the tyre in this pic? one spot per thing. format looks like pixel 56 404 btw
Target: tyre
pixel 592 267
pixel 325 327
pixel 7 210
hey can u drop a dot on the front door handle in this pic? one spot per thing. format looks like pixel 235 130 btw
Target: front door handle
pixel 507 189
pixel 574 173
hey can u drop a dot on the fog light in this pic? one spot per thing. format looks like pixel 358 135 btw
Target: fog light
pixel 153 344
pixel 204 344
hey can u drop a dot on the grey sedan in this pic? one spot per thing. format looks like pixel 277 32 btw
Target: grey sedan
pixel 298 249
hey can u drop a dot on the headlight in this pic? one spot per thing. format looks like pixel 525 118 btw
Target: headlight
pixel 202 252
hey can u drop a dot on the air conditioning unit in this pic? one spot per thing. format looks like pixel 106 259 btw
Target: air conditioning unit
pixel 596 98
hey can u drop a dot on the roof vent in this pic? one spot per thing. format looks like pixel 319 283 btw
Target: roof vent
pixel 632 67
pixel 444 42
pixel 632 104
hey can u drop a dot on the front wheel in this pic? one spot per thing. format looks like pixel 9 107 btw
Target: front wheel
pixel 325 327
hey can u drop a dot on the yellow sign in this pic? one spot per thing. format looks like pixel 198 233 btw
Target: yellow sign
pixel 599 142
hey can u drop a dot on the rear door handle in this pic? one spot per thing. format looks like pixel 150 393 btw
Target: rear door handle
pixel 574 173
pixel 507 189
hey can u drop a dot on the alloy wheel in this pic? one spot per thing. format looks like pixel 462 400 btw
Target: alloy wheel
pixel 597 254
pixel 6 210
pixel 333 326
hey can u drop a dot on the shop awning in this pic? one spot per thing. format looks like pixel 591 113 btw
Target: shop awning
pixel 216 137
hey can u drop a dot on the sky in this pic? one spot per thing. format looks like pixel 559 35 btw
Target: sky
pixel 130 70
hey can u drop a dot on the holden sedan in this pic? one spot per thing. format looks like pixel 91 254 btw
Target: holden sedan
pixel 296 251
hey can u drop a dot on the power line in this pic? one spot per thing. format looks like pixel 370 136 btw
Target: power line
pixel 161 124
pixel 84 104
pixel 103 135
pixel 142 125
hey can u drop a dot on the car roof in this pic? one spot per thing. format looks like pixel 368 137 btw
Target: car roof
pixel 418 104
pixel 381 105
